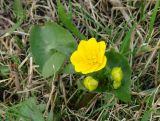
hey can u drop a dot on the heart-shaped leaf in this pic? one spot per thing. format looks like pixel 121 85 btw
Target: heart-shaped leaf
pixel 53 64
pixel 69 69
pixel 117 60
pixel 46 41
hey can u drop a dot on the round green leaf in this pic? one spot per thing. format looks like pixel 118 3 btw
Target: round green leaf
pixel 117 60
pixel 53 64
pixel 47 40
pixel 69 69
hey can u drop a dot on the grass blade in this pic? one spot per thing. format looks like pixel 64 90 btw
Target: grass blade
pixel 20 15
pixel 66 19
pixel 152 20
pixel 18 9
pixel 159 66
pixel 124 49
pixel 146 115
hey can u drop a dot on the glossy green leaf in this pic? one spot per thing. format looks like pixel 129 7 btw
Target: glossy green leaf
pixel 30 110
pixel 69 69
pixel 67 20
pixel 47 40
pixel 53 64
pixel 27 110
pixel 117 60
pixel 50 116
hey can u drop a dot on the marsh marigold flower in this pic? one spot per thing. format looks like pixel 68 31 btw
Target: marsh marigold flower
pixel 90 83
pixel 89 56
pixel 117 76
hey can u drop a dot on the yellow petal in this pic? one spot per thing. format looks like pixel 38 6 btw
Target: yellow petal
pixel 92 40
pixel 90 69
pixel 82 47
pixel 102 65
pixel 92 47
pixel 78 61
pixel 81 67
pixel 86 48
pixel 96 67
pixel 75 58
pixel 102 49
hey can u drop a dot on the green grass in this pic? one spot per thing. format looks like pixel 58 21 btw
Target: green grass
pixel 60 99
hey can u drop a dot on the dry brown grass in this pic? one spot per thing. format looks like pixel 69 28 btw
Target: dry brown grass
pixel 103 19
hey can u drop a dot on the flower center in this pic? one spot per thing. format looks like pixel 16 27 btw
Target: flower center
pixel 92 60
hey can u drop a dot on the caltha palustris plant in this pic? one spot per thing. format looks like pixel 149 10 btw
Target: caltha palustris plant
pixel 104 70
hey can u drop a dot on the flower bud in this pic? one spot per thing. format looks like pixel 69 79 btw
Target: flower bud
pixel 116 84
pixel 90 83
pixel 116 76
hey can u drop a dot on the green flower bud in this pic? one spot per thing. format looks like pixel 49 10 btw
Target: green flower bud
pixel 90 83
pixel 116 84
pixel 116 76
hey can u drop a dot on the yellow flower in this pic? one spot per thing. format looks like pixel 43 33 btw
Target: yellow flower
pixel 117 76
pixel 90 83
pixel 89 57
